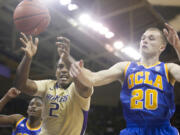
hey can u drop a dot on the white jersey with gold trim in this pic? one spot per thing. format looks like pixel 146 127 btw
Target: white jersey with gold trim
pixel 65 112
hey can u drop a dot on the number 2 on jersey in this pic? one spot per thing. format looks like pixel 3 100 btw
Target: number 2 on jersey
pixel 52 109
pixel 150 99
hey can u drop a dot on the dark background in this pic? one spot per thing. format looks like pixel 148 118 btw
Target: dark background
pixel 128 19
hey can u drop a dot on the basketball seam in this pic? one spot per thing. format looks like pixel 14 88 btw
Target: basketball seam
pixel 25 17
pixel 35 25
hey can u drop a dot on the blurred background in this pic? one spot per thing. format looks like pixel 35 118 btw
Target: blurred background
pixel 102 33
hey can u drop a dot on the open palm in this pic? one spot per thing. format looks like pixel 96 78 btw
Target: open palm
pixel 171 35
pixel 30 46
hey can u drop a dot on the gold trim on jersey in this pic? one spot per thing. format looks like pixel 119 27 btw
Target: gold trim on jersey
pixel 157 63
pixel 21 119
pixel 126 67
pixel 166 71
pixel 37 128
pixel 172 81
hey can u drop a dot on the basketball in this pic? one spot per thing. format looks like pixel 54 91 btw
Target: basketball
pixel 31 17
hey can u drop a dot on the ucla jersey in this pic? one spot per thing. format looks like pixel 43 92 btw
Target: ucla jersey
pixel 22 128
pixel 147 95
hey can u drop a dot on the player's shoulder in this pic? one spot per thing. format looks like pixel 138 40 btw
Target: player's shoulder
pixel 170 65
pixel 71 86
pixel 16 118
pixel 45 82
pixel 51 84
pixel 50 81
pixel 123 64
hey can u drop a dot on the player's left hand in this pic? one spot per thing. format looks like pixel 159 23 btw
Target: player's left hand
pixel 171 36
pixel 30 46
pixel 12 93
pixel 76 69
pixel 63 47
pixel 76 72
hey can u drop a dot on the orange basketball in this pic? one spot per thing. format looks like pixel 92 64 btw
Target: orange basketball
pixel 31 17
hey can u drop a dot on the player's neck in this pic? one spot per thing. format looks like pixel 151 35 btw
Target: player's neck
pixel 34 122
pixel 148 61
pixel 61 85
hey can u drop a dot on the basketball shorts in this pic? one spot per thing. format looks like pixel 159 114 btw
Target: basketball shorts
pixel 155 128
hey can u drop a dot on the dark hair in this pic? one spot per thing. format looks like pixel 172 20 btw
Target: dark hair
pixel 164 40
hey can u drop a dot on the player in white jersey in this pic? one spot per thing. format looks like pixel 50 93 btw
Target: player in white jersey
pixel 66 104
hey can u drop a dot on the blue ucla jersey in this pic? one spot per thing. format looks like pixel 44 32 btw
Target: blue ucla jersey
pixel 22 128
pixel 147 94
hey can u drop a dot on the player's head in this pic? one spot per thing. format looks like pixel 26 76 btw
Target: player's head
pixel 153 42
pixel 35 107
pixel 62 74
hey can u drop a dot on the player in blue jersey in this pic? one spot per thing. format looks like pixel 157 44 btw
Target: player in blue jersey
pixel 20 124
pixel 147 94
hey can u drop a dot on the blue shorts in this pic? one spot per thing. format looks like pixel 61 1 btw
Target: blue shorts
pixel 155 128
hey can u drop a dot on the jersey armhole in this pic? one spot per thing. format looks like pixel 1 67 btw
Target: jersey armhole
pixel 83 102
pixel 126 67
pixel 172 81
pixel 19 121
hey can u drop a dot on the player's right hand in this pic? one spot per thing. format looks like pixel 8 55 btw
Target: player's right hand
pixel 12 93
pixel 30 46
pixel 172 36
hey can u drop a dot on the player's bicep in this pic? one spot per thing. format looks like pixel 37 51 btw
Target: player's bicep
pixel 174 71
pixel 9 120
pixel 30 88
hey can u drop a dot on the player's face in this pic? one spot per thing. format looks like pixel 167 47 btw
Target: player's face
pixel 151 43
pixel 62 74
pixel 35 107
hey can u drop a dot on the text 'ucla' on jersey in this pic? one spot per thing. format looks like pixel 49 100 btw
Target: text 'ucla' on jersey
pixel 147 94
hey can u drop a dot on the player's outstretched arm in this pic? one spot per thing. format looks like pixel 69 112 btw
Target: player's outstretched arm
pixel 9 120
pixel 89 78
pixel 12 93
pixel 22 74
pixel 173 39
